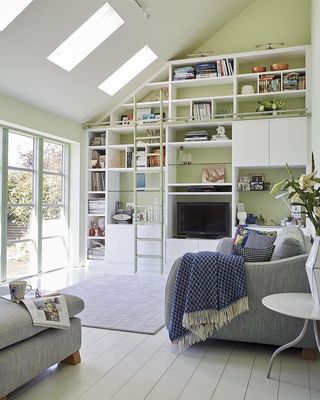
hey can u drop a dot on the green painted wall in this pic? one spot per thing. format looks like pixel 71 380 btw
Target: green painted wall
pixel 17 112
pixel 262 22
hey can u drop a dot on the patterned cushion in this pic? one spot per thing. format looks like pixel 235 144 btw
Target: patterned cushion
pixel 243 232
pixel 253 255
pixel 258 240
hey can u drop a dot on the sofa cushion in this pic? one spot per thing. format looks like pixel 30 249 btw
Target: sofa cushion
pixel 242 235
pixel 253 255
pixel 16 323
pixel 258 240
pixel 289 243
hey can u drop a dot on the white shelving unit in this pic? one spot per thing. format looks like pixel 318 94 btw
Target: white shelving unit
pixel 229 108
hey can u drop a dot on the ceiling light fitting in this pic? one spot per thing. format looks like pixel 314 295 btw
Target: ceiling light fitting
pixel 269 46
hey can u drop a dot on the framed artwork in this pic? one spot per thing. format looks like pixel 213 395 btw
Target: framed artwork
pixel 212 174
pixel 244 186
pixel 257 178
pixel 244 179
pixel 143 113
pixel 256 186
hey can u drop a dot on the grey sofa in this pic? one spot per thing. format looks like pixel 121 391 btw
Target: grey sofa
pixel 27 350
pixel 259 324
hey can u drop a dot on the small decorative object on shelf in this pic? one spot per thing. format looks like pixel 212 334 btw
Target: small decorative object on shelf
pixel 241 214
pixel 220 134
pixel 273 105
pixel 247 89
pixel 279 67
pixel 305 192
pixel 258 68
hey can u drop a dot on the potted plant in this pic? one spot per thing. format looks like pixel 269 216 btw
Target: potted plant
pixel 305 191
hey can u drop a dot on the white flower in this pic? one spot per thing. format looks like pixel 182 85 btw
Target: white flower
pixel 306 182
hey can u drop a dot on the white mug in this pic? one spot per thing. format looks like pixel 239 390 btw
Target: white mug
pixel 18 289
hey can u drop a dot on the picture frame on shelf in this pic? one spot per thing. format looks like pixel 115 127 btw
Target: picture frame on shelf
pixel 244 179
pixel 257 178
pixel 256 186
pixel 212 174
pixel 124 120
pixel 243 186
pixel 142 113
pixel 267 186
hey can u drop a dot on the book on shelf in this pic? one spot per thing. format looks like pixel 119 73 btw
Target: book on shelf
pixel 196 136
pixel 141 158
pixel 129 159
pixel 293 80
pixel 201 110
pixel 98 181
pixel 182 73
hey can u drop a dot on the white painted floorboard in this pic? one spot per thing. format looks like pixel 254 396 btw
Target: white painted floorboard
pixel 128 366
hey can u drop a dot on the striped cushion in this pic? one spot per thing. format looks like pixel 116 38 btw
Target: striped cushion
pixel 253 255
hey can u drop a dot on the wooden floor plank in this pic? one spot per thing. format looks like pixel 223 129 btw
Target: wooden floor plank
pixel 138 387
pixel 294 376
pixel 260 387
pixel 125 369
pixel 176 377
pixel 235 378
pixel 208 373
pixel 314 377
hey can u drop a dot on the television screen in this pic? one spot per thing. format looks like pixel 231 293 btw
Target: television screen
pixel 203 219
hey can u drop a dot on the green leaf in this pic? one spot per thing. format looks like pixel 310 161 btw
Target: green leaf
pixel 313 167
pixel 290 172
pixel 277 187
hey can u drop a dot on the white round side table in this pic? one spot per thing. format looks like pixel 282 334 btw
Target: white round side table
pixel 299 305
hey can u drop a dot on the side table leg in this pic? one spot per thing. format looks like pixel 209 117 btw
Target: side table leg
pixel 286 346
pixel 316 334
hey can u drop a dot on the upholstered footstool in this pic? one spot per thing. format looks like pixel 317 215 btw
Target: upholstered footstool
pixel 27 350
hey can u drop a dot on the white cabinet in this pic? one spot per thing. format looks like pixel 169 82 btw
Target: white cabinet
pixel 250 143
pixel 262 143
pixel 119 243
pixel 288 141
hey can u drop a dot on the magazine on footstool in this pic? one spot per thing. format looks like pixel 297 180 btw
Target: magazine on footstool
pixel 49 310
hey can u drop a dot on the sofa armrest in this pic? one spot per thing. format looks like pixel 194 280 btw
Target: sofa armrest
pixel 225 245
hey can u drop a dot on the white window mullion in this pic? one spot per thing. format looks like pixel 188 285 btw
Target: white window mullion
pixel 4 202
pixel 39 200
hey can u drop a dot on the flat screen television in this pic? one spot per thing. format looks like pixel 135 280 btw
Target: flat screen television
pixel 203 219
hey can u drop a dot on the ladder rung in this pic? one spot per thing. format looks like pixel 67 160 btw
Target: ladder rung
pixel 147 138
pixel 149 190
pixel 149 239
pixel 148 205
pixel 148 170
pixel 148 256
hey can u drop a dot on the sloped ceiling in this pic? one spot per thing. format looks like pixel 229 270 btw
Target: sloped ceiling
pixel 174 28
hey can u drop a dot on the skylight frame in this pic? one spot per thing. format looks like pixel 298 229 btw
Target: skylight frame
pixel 10 9
pixel 128 71
pixel 84 40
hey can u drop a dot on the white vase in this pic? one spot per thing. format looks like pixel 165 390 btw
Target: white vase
pixel 313 270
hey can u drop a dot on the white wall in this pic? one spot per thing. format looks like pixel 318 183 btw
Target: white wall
pixel 315 117
pixel 20 115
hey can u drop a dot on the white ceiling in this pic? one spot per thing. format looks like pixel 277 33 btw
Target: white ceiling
pixel 174 28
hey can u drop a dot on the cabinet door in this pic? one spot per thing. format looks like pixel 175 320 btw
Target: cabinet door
pixel 250 143
pixel 119 243
pixel 288 141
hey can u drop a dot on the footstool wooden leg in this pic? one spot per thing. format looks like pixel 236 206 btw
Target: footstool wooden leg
pixel 309 354
pixel 73 359
pixel 3 398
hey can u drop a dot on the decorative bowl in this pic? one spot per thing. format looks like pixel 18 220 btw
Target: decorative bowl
pixel 258 68
pixel 279 67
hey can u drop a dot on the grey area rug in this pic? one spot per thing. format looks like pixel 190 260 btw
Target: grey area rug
pixel 120 302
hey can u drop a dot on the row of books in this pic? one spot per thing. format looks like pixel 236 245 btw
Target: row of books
pixel 97 206
pixel 272 83
pixel 294 81
pixel 196 136
pixel 201 110
pixel 98 181
pixel 221 67
pixel 269 83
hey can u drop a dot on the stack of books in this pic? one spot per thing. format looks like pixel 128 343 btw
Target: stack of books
pixel 97 206
pixel 201 110
pixel 224 67
pixel 196 136
pixel 181 73
pixel 206 70
pixel 293 81
pixel 96 252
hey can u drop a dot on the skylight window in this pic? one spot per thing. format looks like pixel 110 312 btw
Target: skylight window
pixel 85 39
pixel 10 9
pixel 128 71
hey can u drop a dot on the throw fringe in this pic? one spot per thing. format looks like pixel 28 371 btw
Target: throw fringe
pixel 202 324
